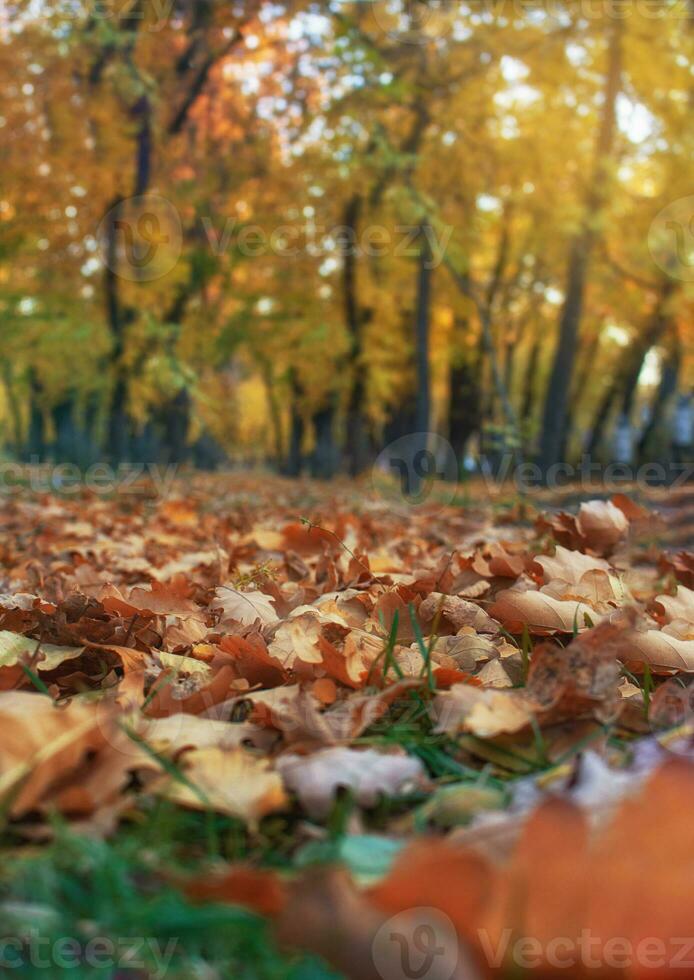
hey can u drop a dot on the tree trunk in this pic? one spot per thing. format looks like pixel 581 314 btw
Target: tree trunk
pixel 423 383
pixel 13 406
pixel 324 462
pixel 530 382
pixel 401 421
pixel 176 427
pixel 666 389
pixel 294 462
pixel 602 415
pixel 586 369
pixel 464 415
pixel 119 431
pixel 65 443
pixel 653 333
pixel 36 436
pixel 625 378
pixel 273 411
pixel 356 436
pixel 557 398
pixel 422 322
pixel 120 424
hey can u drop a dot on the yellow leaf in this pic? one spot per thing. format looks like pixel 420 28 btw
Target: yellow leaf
pixel 235 783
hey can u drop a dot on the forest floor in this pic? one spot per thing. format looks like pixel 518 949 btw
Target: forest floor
pixel 263 728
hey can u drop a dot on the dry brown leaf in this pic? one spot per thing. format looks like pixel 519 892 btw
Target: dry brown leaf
pixel 584 676
pixel 244 607
pixel 16 649
pixel 562 683
pixel 485 713
pixel 602 591
pixel 176 732
pixel 602 526
pixel 252 888
pixel 44 746
pixel 228 781
pixel 494 675
pixel 658 649
pixel 678 606
pixel 452 614
pixel 681 565
pixel 558 889
pixel 325 913
pixel 568 566
pixel 541 613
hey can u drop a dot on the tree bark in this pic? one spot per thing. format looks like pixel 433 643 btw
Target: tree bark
pixel 666 389
pixel 602 414
pixel 294 462
pixel 625 379
pixel 557 397
pixel 324 461
pixel 655 330
pixel 36 437
pixel 464 415
pixel 530 382
pixel 176 425
pixel 356 436
pixel 422 324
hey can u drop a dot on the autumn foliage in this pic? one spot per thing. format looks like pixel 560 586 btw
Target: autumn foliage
pixel 237 656
pixel 270 231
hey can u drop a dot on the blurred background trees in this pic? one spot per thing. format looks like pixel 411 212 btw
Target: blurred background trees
pixel 296 232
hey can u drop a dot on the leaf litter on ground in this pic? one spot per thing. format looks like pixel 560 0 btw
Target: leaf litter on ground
pixel 490 705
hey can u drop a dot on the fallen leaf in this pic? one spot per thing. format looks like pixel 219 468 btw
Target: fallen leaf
pixel 16 649
pixel 602 526
pixel 316 778
pixel 228 781
pixel 454 613
pixel 44 746
pixel 252 888
pixel 541 613
pixel 485 713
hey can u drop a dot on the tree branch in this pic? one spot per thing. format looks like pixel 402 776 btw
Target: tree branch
pixel 197 85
